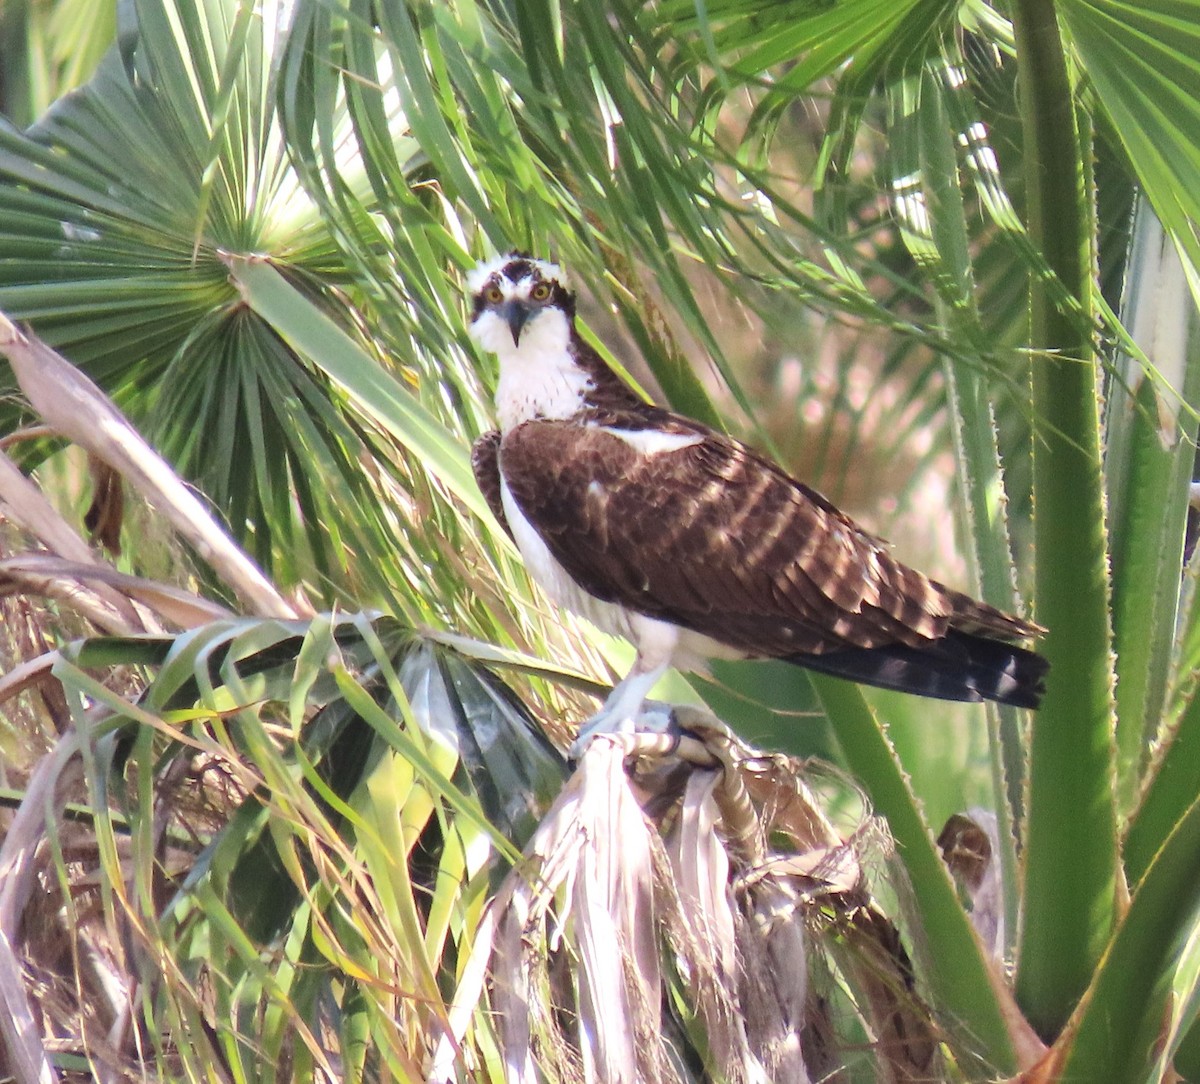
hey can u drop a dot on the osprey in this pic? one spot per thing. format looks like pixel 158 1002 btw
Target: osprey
pixel 692 545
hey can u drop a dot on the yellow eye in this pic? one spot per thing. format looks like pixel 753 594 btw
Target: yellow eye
pixel 540 292
pixel 493 295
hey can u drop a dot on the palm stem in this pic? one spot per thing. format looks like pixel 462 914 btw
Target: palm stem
pixel 1071 872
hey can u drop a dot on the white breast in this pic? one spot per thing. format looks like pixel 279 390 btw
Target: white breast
pixel 533 386
pixel 539 378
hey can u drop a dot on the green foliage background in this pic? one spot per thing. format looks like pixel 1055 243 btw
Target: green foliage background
pixel 250 227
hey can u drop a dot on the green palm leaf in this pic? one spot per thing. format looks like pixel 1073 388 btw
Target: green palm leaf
pixel 338 739
pixel 119 205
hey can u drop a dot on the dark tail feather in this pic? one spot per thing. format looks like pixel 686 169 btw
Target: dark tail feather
pixel 958 667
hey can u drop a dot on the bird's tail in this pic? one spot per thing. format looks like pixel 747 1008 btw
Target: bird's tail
pixel 959 666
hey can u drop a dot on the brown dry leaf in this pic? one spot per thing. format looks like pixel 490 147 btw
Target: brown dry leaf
pixel 593 861
pixel 181 608
pixel 106 513
pixel 1047 1071
pixel 19 1024
pixel 22 502
pixel 78 410
pixel 969 844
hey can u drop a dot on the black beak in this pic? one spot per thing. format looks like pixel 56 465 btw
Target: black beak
pixel 516 314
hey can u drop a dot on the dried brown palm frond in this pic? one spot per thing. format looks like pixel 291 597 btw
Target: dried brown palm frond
pixel 662 925
pixel 44 556
pixel 969 843
pixel 74 407
pixel 69 975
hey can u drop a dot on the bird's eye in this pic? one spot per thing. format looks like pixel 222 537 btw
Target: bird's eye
pixel 493 295
pixel 540 292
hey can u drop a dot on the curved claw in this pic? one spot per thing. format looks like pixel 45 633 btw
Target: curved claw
pixel 653 716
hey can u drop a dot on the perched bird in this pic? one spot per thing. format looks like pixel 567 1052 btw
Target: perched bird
pixel 692 545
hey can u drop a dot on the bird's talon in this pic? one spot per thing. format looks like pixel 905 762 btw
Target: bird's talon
pixel 655 717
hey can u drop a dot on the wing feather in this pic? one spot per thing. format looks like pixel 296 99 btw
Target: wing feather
pixel 486 467
pixel 714 537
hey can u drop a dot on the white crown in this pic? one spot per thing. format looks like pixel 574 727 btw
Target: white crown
pixel 487 268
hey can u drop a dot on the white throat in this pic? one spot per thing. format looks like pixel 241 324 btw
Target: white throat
pixel 539 378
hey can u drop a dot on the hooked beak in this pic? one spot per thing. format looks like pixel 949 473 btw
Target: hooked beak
pixel 516 314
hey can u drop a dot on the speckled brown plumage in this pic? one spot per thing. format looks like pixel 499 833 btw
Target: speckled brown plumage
pixel 714 534
pixel 718 539
pixel 660 515
pixel 484 463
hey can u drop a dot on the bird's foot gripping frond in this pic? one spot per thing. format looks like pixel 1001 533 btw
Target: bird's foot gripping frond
pixel 653 717
pixel 627 710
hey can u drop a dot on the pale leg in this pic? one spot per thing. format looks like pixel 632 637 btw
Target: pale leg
pixel 625 708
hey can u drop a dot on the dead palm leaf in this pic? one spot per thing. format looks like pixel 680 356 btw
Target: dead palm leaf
pixel 664 916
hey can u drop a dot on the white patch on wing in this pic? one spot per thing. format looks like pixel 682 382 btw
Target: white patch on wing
pixel 653 441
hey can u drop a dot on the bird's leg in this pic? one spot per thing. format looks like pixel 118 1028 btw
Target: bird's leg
pixel 625 710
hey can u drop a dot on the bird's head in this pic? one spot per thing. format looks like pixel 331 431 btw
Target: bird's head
pixel 520 303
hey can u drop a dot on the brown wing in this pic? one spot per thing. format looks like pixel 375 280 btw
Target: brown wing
pixel 715 538
pixel 485 464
